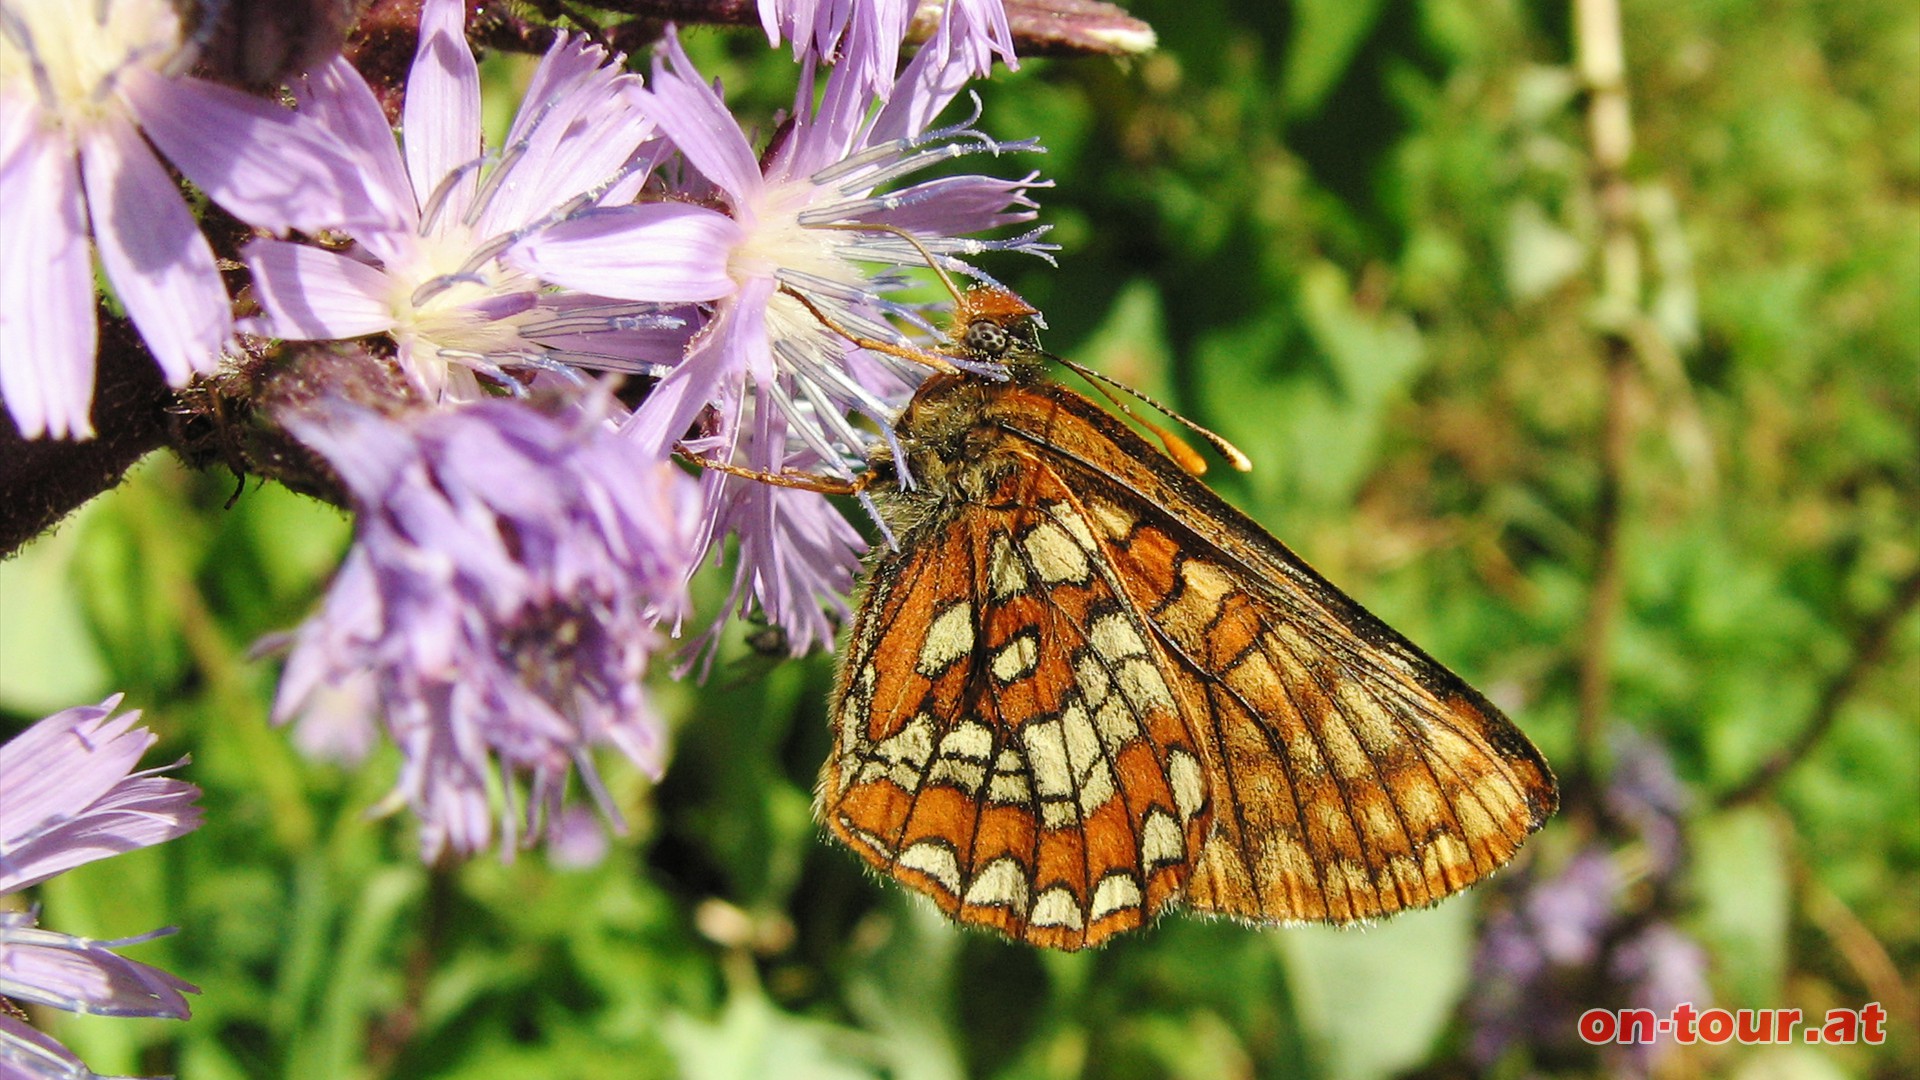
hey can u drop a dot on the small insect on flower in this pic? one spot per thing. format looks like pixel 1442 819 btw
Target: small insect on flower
pixel 1082 688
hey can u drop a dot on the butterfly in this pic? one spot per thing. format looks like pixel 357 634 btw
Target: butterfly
pixel 1082 689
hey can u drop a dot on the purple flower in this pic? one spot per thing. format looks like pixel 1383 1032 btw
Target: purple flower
pixel 872 30
pixel 69 795
pixel 1534 955
pixel 1646 794
pixel 970 33
pixel 424 269
pixel 1661 967
pixel 800 223
pixel 501 596
pixel 80 84
pixel 770 385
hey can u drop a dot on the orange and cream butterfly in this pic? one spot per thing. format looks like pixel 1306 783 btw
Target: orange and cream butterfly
pixel 1081 689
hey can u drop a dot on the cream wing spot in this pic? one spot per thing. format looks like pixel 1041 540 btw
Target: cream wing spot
pixel 855 709
pixel 1009 784
pixel 1118 726
pixel 936 861
pixel 1144 686
pixel 1206 581
pixel 1058 813
pixel 1056 556
pixel 1090 675
pixel 1001 883
pixel 949 637
pixel 962 757
pixel 1114 521
pixel 902 756
pixel 968 739
pixel 1047 757
pixel 1006 575
pixel 1096 788
pixel 1074 524
pixel 1016 658
pixel 1188 783
pixel 1058 907
pixel 1116 892
pixel 958 772
pixel 1115 638
pixel 1160 840
pixel 1083 743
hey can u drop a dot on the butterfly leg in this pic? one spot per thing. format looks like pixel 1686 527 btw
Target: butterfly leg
pixel 805 481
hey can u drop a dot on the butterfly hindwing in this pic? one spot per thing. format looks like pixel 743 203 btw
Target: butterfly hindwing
pixel 1029 769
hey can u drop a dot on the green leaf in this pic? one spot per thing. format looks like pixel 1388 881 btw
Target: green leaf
pixel 50 660
pixel 1326 34
pixel 1378 997
pixel 1740 880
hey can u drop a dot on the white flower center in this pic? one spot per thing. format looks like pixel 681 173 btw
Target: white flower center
pixel 67 53
pixel 777 240
pixel 446 322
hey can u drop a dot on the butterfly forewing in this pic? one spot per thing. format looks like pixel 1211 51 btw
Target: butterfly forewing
pixel 1362 776
pixel 1029 768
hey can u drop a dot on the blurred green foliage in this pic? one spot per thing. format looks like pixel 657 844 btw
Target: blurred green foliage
pixel 1356 238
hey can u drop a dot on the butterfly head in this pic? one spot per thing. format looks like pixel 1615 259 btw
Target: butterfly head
pixel 994 324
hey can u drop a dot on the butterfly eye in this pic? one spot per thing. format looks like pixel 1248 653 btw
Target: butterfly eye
pixel 987 339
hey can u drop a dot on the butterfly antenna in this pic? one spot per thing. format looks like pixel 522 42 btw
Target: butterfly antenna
pixel 1185 456
pixel 932 263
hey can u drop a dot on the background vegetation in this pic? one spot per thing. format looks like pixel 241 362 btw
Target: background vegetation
pixel 1363 240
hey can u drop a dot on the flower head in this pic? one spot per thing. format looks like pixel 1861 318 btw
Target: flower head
pixel 801 225
pixel 508 570
pixel 80 85
pixel 69 795
pixel 781 251
pixel 423 266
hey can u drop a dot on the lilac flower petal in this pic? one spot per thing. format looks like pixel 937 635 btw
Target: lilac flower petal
pixel 47 332
pixel 577 127
pixel 311 679
pixel 65 762
pixel 442 112
pixel 955 204
pixel 931 82
pixel 593 333
pixel 29 1054
pixel 83 975
pixel 265 165
pixel 151 246
pixel 662 252
pixel 337 98
pixel 692 115
pixel 143 811
pixel 316 295
pixel 579 841
pixel 798 556
pixel 70 798
pixel 972 32
pixel 672 405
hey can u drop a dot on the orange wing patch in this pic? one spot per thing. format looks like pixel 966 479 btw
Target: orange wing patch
pixel 1007 740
